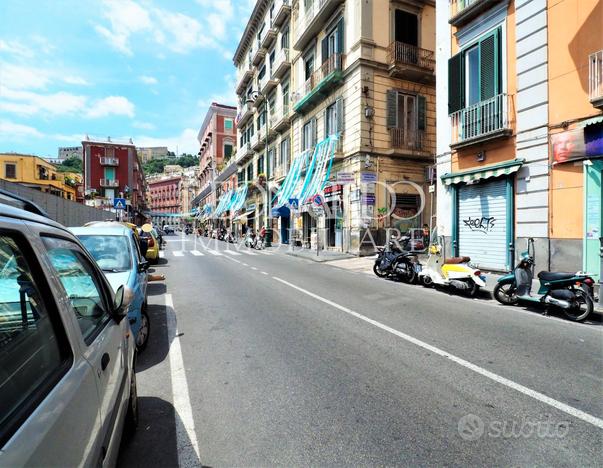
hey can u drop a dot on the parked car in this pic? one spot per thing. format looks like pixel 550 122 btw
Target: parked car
pixel 67 356
pixel 168 229
pixel 117 253
pixel 150 235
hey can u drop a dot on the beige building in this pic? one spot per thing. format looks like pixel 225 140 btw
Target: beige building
pixel 363 71
pixel 154 152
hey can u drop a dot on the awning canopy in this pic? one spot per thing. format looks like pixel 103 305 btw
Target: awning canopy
pixel 224 203
pixel 281 211
pixel 239 199
pixel 483 172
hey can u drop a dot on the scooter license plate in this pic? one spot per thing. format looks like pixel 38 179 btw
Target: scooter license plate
pixel 418 267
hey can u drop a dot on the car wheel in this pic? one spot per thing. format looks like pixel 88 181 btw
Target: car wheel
pixel 131 422
pixel 142 338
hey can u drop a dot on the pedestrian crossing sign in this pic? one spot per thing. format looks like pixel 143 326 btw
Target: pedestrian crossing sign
pixel 119 203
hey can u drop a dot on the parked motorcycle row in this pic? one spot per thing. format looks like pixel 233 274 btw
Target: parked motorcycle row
pixel 572 293
pixel 251 239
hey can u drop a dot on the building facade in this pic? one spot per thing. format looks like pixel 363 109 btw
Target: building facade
pixel 146 154
pixel 35 172
pixel 70 152
pixel 362 72
pixel 164 199
pixel 112 170
pixel 517 88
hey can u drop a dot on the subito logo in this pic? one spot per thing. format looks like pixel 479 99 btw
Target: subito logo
pixel 471 427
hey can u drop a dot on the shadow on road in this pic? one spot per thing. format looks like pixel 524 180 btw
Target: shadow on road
pixel 158 346
pixel 156 289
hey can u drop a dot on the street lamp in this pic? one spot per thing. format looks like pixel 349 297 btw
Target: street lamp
pixel 251 99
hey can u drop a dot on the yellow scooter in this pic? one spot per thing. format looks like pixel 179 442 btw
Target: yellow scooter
pixel 455 272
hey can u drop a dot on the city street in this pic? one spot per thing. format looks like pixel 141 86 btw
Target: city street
pixel 257 358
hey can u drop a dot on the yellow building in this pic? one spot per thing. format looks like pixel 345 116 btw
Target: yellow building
pixel 36 173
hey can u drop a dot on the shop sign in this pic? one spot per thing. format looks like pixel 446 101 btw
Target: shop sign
pixel 333 193
pixel 368 177
pixel 368 199
pixel 578 144
pixel 345 178
pixel 355 195
pixel 319 210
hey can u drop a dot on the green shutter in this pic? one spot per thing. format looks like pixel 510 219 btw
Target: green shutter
pixel 340 36
pixel 325 49
pixel 489 53
pixel 314 131
pixel 340 116
pixel 456 84
pixel 421 112
pixel 392 108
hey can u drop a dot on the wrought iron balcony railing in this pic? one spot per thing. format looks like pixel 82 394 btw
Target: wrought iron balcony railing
pixel 595 78
pixel 488 118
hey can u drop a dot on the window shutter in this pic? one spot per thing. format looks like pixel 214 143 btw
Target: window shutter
pixel 314 131
pixel 325 118
pixel 340 116
pixel 392 111
pixel 489 52
pixel 456 85
pixel 325 49
pixel 421 112
pixel 340 36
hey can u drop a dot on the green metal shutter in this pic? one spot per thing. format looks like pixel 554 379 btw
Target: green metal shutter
pixel 325 49
pixel 340 36
pixel 392 108
pixel 456 84
pixel 489 52
pixel 421 112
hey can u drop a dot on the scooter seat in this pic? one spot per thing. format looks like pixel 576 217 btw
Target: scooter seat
pixel 457 260
pixel 554 276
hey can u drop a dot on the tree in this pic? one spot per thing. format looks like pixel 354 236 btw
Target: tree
pixel 70 165
pixel 187 160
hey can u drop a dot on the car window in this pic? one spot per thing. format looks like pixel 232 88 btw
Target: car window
pixel 112 253
pixel 32 349
pixel 81 285
pixel 139 254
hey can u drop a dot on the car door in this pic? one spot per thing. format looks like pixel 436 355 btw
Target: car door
pixel 141 275
pixel 106 345
pixel 49 406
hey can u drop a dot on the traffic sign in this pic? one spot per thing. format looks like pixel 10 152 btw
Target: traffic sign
pixel 294 203
pixel 119 203
pixel 317 200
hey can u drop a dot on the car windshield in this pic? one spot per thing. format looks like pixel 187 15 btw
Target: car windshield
pixel 112 253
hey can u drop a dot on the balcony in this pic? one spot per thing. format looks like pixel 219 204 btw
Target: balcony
pixel 312 20
pixel 411 63
pixel 282 64
pixel 280 118
pixel 109 161
pixel 244 154
pixel 269 37
pixel 463 11
pixel 283 12
pixel 405 141
pixel 280 171
pixel 258 140
pixel 245 77
pixel 595 79
pixel 486 120
pixel 320 83
pixel 109 183
pixel 246 112
pixel 267 84
pixel 259 55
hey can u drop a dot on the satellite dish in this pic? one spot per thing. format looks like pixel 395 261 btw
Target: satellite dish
pixel 147 227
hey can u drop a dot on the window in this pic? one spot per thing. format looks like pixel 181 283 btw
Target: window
pixel 285 39
pixel 475 73
pixel 309 134
pixel 228 124
pixel 227 150
pixel 271 61
pixel 333 116
pixel 10 171
pixel 271 161
pixel 284 156
pixel 285 95
pixel 78 278
pixel 260 165
pixel 333 42
pixel 406 113
pixel 249 172
pixel 262 73
pixel 308 66
pixel 406 28
pixel 112 253
pixel 33 349
pixel 261 120
pixel 240 178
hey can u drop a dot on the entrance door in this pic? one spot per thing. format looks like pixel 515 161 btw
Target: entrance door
pixel 406 28
pixel 482 224
pixel 593 225
pixel 285 223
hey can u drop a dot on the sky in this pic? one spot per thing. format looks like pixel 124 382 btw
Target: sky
pixel 140 69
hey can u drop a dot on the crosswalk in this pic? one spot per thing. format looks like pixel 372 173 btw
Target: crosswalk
pixel 202 251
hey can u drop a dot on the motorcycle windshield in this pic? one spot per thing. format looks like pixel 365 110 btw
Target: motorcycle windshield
pixel 523 281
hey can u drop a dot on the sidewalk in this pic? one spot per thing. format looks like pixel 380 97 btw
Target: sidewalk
pixel 323 255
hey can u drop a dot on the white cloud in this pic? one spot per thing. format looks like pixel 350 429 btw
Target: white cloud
pixel 143 125
pixel 126 18
pixel 75 80
pixel 150 80
pixel 15 48
pixel 33 77
pixel 11 131
pixel 111 105
pixel 186 142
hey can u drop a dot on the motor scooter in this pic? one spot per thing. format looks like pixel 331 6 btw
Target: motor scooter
pixel 396 261
pixel 570 292
pixel 455 273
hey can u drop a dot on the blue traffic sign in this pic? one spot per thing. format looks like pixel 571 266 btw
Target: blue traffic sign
pixel 317 200
pixel 294 203
pixel 119 203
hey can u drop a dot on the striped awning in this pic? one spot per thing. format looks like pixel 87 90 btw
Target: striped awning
pixel 238 200
pixel 483 172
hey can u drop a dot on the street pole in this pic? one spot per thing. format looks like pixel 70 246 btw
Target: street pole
pixel 266 167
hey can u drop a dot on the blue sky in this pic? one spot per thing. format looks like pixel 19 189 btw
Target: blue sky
pixel 145 69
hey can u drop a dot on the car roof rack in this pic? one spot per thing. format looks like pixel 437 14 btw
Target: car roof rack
pixel 10 198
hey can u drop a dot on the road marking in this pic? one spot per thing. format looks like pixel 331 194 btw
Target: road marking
pixel 186 437
pixel 232 252
pixel 264 273
pixel 248 253
pixel 161 254
pixel 228 258
pixel 244 264
pixel 265 253
pixel 213 252
pixel 196 253
pixel 178 253
pixel 589 418
pixel 254 268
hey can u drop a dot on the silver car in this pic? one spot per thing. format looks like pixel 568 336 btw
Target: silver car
pixel 67 356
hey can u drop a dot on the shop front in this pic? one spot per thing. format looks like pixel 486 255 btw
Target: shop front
pixel 333 196
pixel 483 214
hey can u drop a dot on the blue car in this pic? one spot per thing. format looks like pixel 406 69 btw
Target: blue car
pixel 116 251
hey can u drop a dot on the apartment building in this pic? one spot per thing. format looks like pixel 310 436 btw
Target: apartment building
pixel 149 153
pixel 217 139
pixel 361 73
pixel 165 200
pixel 35 172
pixel 111 169
pixel 517 87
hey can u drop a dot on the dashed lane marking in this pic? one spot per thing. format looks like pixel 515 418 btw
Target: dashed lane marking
pixel 161 254
pixel 196 253
pixel 232 252
pixel 178 253
pixel 213 252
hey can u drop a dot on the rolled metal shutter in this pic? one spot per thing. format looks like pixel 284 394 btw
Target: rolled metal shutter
pixel 483 224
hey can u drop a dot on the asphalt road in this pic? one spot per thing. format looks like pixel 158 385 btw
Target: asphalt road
pixel 261 359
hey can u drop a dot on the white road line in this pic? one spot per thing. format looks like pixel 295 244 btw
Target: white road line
pixel 254 268
pixel 244 264
pixel 213 252
pixel 228 258
pixel 264 273
pixel 246 252
pixel 232 252
pixel 570 410
pixel 186 437
pixel 161 254
pixel 178 253
pixel 196 253
pixel 265 253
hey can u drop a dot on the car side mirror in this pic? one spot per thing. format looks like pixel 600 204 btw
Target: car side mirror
pixel 143 266
pixel 123 298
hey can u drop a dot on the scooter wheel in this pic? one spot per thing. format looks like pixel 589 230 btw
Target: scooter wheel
pixel 581 308
pixel 472 292
pixel 380 273
pixel 427 281
pixel 505 294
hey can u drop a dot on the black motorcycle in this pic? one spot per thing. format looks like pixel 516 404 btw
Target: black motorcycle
pixel 394 261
